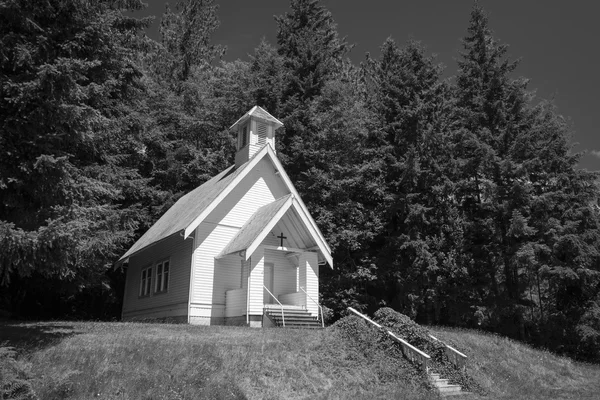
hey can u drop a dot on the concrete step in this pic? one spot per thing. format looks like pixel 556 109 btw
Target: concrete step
pixel 299 319
pixel 459 393
pixel 449 389
pixel 292 317
pixel 441 382
pixel 287 312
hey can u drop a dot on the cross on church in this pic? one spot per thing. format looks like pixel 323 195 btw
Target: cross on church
pixel 281 237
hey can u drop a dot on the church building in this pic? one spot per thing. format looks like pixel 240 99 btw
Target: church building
pixel 241 249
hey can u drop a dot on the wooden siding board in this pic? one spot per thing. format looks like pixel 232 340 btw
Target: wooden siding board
pixel 256 282
pixel 312 282
pixel 179 252
pixel 213 278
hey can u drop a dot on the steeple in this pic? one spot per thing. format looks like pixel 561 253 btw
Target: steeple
pixel 255 129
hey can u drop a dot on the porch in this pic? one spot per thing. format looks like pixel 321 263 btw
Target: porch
pixel 276 281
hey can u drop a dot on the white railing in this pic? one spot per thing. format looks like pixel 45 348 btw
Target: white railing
pixel 318 305
pixel 410 352
pixel 456 357
pixel 280 305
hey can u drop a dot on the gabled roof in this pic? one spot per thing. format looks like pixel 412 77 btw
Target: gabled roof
pixel 258 112
pixel 254 231
pixel 190 210
pixel 265 216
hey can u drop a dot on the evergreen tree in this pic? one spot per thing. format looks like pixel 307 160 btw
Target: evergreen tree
pixel 312 53
pixel 68 143
pixel 413 110
pixel 531 221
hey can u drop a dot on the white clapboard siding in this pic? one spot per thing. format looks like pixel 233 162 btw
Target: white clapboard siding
pixel 228 276
pixel 312 282
pixel 284 272
pixel 212 278
pixel 211 239
pixel 255 297
pixel 179 252
pixel 260 187
pixel 293 299
pixel 235 302
pixel 309 279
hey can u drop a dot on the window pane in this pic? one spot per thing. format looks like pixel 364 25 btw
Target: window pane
pixel 159 269
pixel 166 266
pixel 149 277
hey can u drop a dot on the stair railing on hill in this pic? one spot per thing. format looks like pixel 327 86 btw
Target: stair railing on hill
pixel 280 305
pixel 456 357
pixel 318 305
pixel 410 352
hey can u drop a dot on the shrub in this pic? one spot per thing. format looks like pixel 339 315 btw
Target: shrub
pixel 14 379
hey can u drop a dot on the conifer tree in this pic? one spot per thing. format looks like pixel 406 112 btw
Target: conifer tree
pixel 312 52
pixel 413 111
pixel 70 198
pixel 527 234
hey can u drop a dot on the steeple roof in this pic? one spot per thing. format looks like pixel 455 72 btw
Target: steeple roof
pixel 260 113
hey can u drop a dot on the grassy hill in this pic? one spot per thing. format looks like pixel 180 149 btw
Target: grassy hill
pixel 72 360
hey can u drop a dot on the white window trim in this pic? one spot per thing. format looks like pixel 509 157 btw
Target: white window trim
pixel 145 291
pixel 163 288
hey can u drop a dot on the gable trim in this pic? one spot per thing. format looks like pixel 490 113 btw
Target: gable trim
pixel 302 207
pixel 247 168
pixel 322 245
pixel 262 235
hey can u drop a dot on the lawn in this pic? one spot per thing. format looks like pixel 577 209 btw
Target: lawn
pixel 86 360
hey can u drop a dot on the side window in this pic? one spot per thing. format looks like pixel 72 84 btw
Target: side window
pixel 162 277
pixel 146 281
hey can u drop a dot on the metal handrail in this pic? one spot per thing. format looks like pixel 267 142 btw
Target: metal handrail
pixel 318 305
pixel 409 351
pixel 456 357
pixel 280 305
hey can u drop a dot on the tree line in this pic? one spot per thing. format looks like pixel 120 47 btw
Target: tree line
pixel 455 201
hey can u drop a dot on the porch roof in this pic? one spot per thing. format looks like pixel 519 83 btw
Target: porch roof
pixel 253 228
pixel 256 229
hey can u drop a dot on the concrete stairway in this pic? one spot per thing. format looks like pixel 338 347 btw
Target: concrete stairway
pixel 294 318
pixel 444 387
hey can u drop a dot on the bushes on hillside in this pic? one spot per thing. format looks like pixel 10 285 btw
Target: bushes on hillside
pixel 14 379
pixel 415 334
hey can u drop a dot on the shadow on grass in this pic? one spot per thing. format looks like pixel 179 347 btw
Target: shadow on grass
pixel 28 336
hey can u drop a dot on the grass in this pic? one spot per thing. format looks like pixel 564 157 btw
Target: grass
pixel 83 360
pixel 156 361
pixel 507 369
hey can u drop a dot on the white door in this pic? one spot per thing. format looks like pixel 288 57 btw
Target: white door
pixel 268 282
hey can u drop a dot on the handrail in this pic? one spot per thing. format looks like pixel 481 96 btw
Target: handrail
pixel 318 305
pixel 456 357
pixel 409 351
pixel 280 305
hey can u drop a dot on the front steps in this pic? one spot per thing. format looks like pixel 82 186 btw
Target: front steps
pixel 444 387
pixel 295 317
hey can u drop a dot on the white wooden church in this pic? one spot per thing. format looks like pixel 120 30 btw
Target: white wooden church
pixel 241 249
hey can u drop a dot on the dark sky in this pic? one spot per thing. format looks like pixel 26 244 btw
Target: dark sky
pixel 556 40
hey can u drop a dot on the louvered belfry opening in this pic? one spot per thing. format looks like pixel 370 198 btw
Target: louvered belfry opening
pixel 254 130
pixel 262 133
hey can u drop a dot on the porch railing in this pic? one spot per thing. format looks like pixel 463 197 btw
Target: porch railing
pixel 318 305
pixel 280 305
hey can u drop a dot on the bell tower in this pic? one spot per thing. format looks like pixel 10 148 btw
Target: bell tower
pixel 255 129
